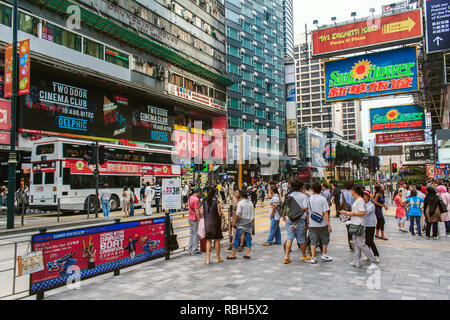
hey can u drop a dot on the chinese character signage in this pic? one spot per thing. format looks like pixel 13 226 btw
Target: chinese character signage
pixel 30 263
pixel 397 118
pixel 8 71
pixel 419 153
pixel 377 74
pixel 437 13
pixel 84 253
pixel 171 193
pixel 372 33
pixel 400 137
pixel 24 67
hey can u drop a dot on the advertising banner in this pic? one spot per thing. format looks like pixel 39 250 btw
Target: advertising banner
pixel 24 67
pixel 59 104
pixel 5 115
pixel 419 153
pixel 431 168
pixel 292 147
pixel 400 137
pixel 7 89
pixel 437 13
pixel 371 33
pixel 290 92
pixel 171 194
pixel 82 253
pixel 377 74
pixel 291 127
pixel 219 139
pixel 397 118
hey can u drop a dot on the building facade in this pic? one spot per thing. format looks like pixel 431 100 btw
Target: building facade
pixel 255 62
pixel 343 118
pixel 138 70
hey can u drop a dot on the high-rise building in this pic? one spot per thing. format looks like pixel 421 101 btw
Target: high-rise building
pixel 120 70
pixel 255 62
pixel 343 117
pixel 288 29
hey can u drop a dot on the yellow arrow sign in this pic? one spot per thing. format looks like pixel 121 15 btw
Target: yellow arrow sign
pixel 405 25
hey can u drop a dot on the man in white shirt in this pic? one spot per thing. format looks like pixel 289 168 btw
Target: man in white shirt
pixel 149 195
pixel 319 223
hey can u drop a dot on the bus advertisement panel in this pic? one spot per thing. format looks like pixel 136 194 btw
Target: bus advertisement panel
pixel 73 255
pixel 371 75
pixel 81 109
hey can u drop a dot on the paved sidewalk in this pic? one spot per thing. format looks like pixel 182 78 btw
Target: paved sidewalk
pixel 411 268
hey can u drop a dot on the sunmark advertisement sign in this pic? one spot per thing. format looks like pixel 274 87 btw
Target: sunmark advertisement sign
pixel 397 118
pixel 378 74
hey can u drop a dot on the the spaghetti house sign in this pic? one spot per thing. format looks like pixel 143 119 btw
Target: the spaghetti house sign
pixel 397 118
pixel 383 73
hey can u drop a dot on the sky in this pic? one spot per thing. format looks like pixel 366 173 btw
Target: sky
pixel 306 11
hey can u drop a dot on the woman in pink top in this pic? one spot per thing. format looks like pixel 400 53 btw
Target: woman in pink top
pixel 445 216
pixel 400 212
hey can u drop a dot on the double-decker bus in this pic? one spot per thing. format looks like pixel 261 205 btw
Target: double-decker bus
pixel 59 171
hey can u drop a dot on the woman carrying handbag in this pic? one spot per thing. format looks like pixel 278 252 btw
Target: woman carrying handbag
pixel 357 229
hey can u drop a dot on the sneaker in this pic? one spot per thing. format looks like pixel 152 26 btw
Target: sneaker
pixel 195 252
pixel 325 257
pixel 436 238
pixel 355 265
pixel 266 244
pixel 313 261
pixel 373 266
pixel 403 230
pixel 365 259
pixel 377 259
pixel 305 258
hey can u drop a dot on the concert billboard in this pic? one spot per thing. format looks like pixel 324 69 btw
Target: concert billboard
pixel 397 118
pixel 372 75
pixel 60 104
pixel 371 33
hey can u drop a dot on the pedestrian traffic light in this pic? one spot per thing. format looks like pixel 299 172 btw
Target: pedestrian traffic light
pixel 394 168
pixel 91 155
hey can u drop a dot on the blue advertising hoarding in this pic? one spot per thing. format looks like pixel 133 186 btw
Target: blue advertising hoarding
pixel 437 13
pixel 377 74
pixel 397 118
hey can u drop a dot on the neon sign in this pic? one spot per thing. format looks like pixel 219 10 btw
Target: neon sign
pixel 371 75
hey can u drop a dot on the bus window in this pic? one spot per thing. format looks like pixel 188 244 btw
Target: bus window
pixel 73 151
pixel 66 176
pixel 37 178
pixel 45 149
pixel 49 178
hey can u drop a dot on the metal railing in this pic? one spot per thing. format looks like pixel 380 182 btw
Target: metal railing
pixel 12 249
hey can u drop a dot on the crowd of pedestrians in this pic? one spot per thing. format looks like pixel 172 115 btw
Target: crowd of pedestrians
pixel 306 209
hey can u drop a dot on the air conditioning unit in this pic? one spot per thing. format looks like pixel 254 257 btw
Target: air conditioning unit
pixel 243 50
pixel 255 28
pixel 244 116
pixel 244 100
pixel 243 66
pixel 266 80
pixel 256 121
pixel 265 36
pixel 267 96
pixel 243 83
pixel 255 73
pixel 255 89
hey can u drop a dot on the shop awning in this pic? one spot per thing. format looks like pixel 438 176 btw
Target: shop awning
pixel 114 30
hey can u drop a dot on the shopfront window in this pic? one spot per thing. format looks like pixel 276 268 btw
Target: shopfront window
pixel 117 58
pixel 28 24
pixel 5 15
pixel 93 48
pixel 176 79
pixel 61 36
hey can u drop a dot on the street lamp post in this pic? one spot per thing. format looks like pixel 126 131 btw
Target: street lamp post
pixel 12 161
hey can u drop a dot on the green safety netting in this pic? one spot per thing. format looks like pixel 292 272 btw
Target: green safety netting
pixel 114 30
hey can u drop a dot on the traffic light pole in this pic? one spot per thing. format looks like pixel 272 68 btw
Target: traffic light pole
pixel 12 161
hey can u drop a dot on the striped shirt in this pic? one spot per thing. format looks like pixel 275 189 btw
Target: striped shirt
pixel 157 191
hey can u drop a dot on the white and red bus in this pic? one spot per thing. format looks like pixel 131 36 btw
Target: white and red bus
pixel 59 171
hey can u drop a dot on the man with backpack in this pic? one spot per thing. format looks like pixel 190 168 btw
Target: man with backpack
pixel 294 213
